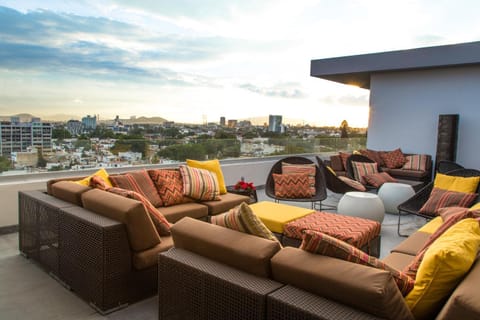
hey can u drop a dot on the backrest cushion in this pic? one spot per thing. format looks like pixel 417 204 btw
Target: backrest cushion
pixel 321 243
pixel 138 181
pixel 416 162
pixel 199 184
pixel 362 168
pixel 224 245
pixel 242 218
pixel 440 198
pixel 336 163
pixel 445 263
pixel 69 191
pixel 169 185
pixel 454 183
pixel 295 185
pixel 379 178
pixel 394 159
pixel 308 169
pixel 141 232
pixel 213 166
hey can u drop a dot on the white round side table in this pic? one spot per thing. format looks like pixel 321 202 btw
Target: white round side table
pixel 362 204
pixel 393 194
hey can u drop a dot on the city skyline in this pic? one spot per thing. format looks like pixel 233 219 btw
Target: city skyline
pixel 188 61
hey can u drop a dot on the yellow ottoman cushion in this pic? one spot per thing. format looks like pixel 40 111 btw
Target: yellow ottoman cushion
pixel 276 215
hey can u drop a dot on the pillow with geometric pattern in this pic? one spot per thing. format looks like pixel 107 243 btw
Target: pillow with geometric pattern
pixel 309 168
pixel 320 243
pixel 394 159
pixel 169 185
pixel 440 198
pixel 292 186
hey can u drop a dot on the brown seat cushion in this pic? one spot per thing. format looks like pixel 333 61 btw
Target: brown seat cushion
pixel 69 191
pixel 368 289
pixel 412 244
pixel 147 258
pixel 141 231
pixel 179 211
pixel 398 260
pixel 227 202
pixel 224 245
pixel 406 173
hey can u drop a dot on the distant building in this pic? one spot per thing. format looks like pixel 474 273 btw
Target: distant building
pixel 275 123
pixel 89 122
pixel 232 123
pixel 16 136
pixel 74 127
pixel 222 121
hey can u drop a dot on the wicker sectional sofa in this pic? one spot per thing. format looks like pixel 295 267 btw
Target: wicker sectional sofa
pixel 218 273
pixel 101 245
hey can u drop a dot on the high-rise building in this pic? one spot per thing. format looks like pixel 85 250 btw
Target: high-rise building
pixel 16 136
pixel 74 127
pixel 275 123
pixel 89 122
pixel 222 121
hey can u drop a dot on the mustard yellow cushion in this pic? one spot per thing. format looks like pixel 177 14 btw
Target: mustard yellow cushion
pixel 476 206
pixel 432 225
pixel 445 263
pixel 331 170
pixel 101 173
pixel 276 215
pixel 459 184
pixel 210 165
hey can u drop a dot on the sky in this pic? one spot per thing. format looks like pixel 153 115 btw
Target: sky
pixel 195 61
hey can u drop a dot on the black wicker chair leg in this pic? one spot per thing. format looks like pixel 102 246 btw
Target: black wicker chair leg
pixel 398 225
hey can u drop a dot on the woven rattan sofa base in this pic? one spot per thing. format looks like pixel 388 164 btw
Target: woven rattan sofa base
pixel 291 303
pixel 89 253
pixel 191 286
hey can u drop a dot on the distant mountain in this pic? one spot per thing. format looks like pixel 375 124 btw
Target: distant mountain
pixel 144 120
pixel 24 117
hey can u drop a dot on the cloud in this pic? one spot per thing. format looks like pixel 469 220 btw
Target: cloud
pixel 283 90
pixel 346 99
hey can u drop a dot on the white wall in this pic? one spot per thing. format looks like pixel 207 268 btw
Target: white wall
pixel 404 110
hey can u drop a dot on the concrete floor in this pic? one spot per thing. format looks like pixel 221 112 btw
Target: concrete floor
pixel 27 292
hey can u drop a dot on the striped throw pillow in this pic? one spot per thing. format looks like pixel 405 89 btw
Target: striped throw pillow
pixel 241 218
pixel 321 243
pixel 353 183
pixel 440 198
pixel 362 168
pixel 416 162
pixel 291 186
pixel 138 181
pixel 199 184
pixel 308 169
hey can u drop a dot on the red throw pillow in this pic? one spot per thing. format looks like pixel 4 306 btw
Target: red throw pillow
pixel 440 198
pixel 394 159
pixel 353 183
pixel 379 178
pixel 292 186
pixel 344 156
pixel 138 181
pixel 169 185
pixel 309 169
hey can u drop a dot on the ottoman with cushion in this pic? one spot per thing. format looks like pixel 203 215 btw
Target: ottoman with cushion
pixel 359 232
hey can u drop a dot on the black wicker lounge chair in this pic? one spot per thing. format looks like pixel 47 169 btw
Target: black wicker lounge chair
pixel 321 190
pixel 359 158
pixel 333 183
pixel 415 203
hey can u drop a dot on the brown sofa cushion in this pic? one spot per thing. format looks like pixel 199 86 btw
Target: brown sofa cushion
pixel 69 191
pixel 464 302
pixel 414 174
pixel 412 244
pixel 51 182
pixel 398 260
pixel 227 201
pixel 179 211
pixel 224 245
pixel 362 287
pixel 141 232
pixel 147 258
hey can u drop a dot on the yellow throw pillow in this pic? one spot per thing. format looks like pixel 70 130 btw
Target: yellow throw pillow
pixel 445 263
pixel 432 225
pixel 331 170
pixel 101 173
pixel 476 206
pixel 210 165
pixel 453 183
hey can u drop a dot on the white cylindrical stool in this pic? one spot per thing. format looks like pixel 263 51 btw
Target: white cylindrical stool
pixel 362 204
pixel 393 194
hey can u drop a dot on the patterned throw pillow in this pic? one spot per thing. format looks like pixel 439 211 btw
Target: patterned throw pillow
pixel 320 243
pixel 353 183
pixel 373 155
pixel 169 185
pixel 242 218
pixel 100 173
pixel 309 169
pixel 199 184
pixel 416 162
pixel 158 219
pixel 362 168
pixel 138 181
pixel 379 178
pixel 440 198
pixel 291 186
pixel 393 159
pixel 344 156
